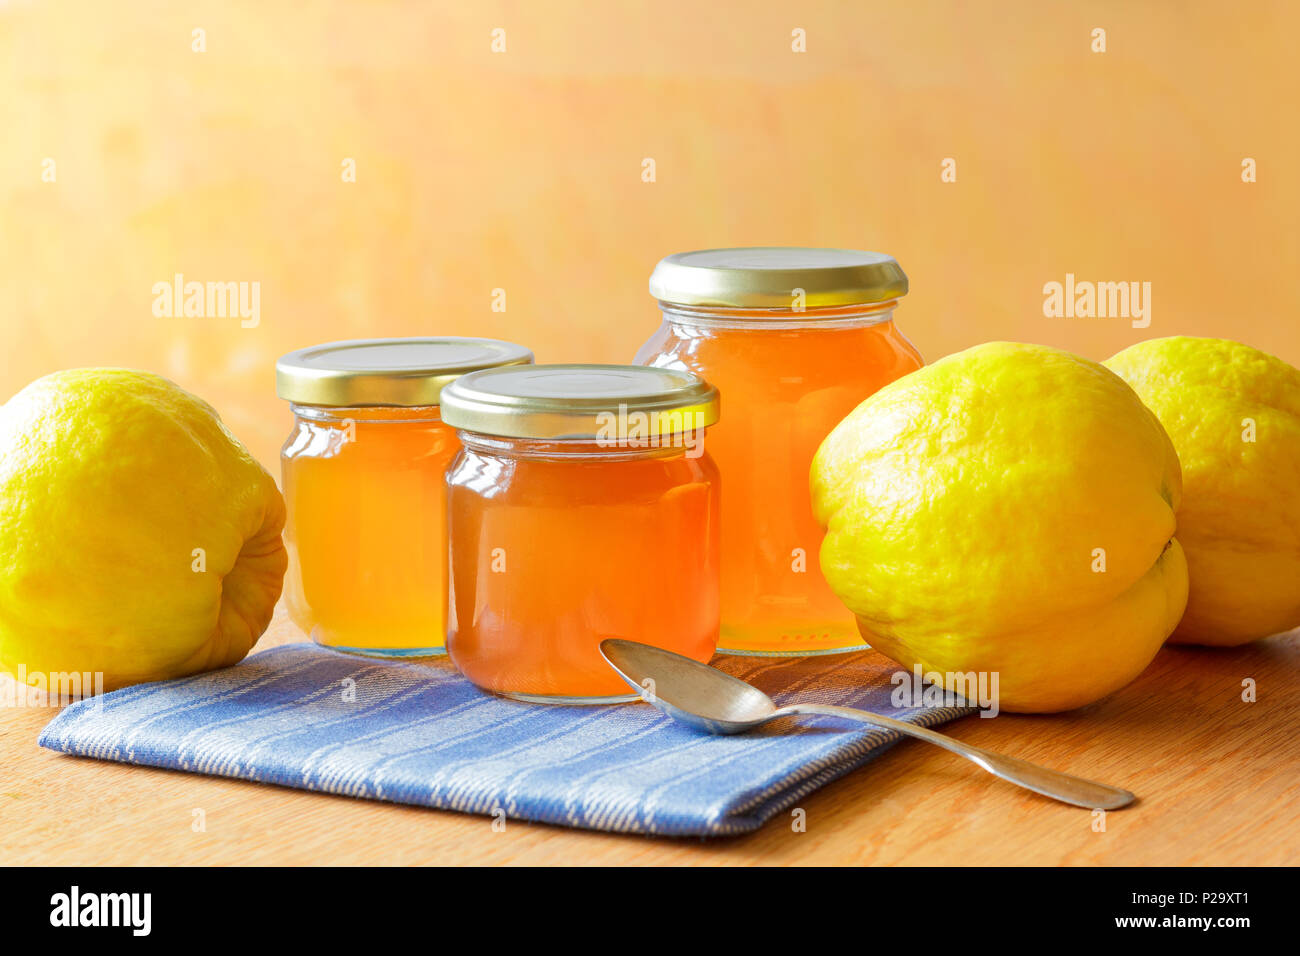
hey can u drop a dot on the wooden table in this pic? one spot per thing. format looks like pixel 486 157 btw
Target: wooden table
pixel 1219 780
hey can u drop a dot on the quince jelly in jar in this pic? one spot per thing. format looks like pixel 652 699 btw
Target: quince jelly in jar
pixel 794 339
pixel 362 474
pixel 582 506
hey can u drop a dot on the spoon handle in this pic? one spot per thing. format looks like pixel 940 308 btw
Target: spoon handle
pixel 1050 783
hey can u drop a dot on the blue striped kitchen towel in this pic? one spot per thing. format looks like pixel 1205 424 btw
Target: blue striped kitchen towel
pixel 306 717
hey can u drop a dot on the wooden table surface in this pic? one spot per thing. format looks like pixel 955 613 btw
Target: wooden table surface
pixel 1219 780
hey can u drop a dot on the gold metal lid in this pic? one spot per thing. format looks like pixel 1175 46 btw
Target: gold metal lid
pixel 407 372
pixel 766 277
pixel 616 403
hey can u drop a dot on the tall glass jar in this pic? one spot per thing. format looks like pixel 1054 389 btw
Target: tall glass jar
pixel 362 475
pixel 583 506
pixel 794 339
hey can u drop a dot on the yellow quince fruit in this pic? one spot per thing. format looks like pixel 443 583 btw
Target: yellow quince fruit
pixel 1010 510
pixel 138 538
pixel 1233 413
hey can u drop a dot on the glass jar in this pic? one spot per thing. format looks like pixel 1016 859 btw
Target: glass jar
pixel 794 339
pixel 362 474
pixel 582 506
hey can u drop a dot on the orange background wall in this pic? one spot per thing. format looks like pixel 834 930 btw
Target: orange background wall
pixel 522 170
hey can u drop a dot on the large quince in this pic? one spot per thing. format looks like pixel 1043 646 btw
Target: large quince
pixel 1233 413
pixel 1008 509
pixel 139 540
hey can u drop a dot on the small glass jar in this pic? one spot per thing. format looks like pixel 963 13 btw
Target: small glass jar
pixel 794 339
pixel 582 506
pixel 362 474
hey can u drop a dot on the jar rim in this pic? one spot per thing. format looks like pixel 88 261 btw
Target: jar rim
pixel 825 318
pixel 565 449
pixel 368 414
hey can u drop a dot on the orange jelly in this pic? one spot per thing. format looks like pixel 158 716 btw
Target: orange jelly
pixel 794 339
pixel 363 478
pixel 582 506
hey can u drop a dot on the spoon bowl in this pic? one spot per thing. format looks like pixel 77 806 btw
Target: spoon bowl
pixel 687 690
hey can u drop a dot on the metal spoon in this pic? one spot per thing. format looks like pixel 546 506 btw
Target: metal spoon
pixel 705 697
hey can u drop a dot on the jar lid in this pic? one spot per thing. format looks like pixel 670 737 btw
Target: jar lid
pixel 621 404
pixel 767 277
pixel 408 372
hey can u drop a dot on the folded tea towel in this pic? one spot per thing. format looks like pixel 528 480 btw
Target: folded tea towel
pixel 306 717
